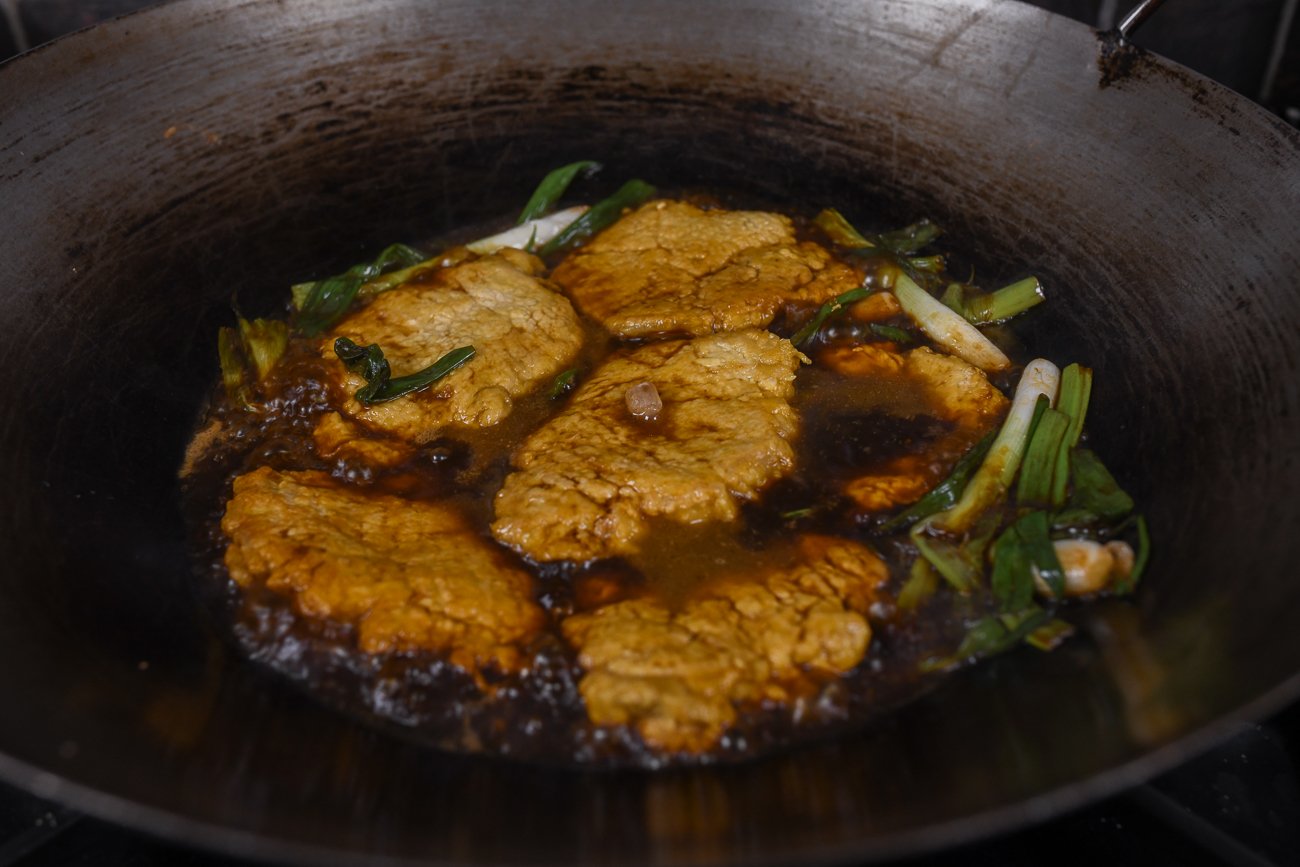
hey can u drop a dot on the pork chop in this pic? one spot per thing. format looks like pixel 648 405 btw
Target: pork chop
pixel 524 333
pixel 671 268
pixel 588 481
pixel 678 674
pixel 951 390
pixel 407 575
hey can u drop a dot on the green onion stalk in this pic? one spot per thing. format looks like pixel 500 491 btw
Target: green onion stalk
pixel 993 479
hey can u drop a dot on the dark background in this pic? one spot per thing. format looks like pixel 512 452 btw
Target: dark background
pixel 1238 805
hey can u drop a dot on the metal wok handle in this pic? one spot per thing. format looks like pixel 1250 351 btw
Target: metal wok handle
pixel 1137 17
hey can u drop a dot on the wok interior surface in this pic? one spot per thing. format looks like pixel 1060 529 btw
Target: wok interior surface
pixel 154 167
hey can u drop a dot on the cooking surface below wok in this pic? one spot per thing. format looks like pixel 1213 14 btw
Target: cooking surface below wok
pixel 157 167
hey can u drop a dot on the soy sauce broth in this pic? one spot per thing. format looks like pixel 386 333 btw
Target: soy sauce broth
pixel 849 426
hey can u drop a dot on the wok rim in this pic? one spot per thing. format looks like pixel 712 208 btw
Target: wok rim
pixel 205 835
pixel 202 834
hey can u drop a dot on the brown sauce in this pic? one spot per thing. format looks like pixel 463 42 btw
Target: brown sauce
pixel 849 426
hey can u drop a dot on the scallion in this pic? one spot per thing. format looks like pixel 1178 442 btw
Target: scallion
pixel 991 635
pixel 839 230
pixel 601 215
pixel 927 264
pixel 1129 584
pixel 944 494
pixel 326 301
pixel 909 239
pixel 954 298
pixel 1033 529
pixel 234 371
pixel 1050 635
pixel 1012 581
pixel 992 480
pixel 1095 490
pixel 1143 552
pixel 564 383
pixel 1039 468
pixel 949 559
pixel 922 582
pixel 947 328
pixel 1024 551
pixel 1003 304
pixel 530 234
pixel 1076 390
pixel 265 341
pixel 370 364
pixel 552 189
pixel 890 332
pixel 828 309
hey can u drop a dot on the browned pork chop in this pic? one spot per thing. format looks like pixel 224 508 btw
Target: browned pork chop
pixel 588 481
pixel 677 674
pixel 951 390
pixel 523 331
pixel 408 575
pixel 673 268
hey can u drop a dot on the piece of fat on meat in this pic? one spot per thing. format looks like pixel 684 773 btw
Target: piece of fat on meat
pixel 589 481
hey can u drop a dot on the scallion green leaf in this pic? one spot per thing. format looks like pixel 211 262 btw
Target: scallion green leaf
pixel 948 558
pixel 265 341
pixel 601 215
pixel 329 300
pixel 389 280
pixel 553 187
pixel 234 370
pixel 370 364
pixel 900 242
pixel 944 494
pixel 960 562
pixel 890 332
pixel 839 230
pixel 991 635
pixel 927 264
pixel 1012 581
pixel 909 239
pixel 1038 469
pixel 954 298
pixel 1076 390
pixel 1095 489
pixel 1033 530
pixel 1004 303
pixel 1143 552
pixel 1140 559
pixel 1022 551
pixel 1072 518
pixel 564 383
pixel 1050 635
pixel 828 309
pixel 922 582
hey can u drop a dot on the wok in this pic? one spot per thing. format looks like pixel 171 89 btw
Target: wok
pixel 152 167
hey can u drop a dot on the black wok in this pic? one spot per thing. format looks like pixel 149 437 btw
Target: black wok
pixel 150 168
